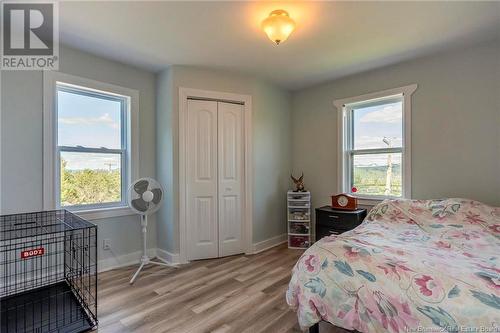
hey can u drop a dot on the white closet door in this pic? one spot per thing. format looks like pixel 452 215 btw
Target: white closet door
pixel 201 214
pixel 231 173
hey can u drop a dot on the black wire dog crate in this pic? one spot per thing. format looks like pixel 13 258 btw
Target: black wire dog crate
pixel 48 277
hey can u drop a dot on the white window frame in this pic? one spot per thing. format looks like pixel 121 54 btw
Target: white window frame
pixel 51 172
pixel 344 107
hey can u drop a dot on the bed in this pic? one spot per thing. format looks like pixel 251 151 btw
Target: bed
pixel 411 266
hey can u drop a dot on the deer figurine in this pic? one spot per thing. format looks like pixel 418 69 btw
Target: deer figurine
pixel 299 183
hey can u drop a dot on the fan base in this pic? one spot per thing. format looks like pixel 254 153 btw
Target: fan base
pixel 145 261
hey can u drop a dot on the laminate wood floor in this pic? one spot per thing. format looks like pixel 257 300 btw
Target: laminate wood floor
pixel 241 294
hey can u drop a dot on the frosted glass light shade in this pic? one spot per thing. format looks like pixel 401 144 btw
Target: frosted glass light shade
pixel 278 26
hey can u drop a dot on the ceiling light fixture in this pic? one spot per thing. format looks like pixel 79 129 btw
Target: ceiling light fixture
pixel 278 26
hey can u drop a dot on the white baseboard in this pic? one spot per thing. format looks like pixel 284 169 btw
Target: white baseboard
pixel 173 258
pixel 122 260
pixel 169 258
pixel 269 243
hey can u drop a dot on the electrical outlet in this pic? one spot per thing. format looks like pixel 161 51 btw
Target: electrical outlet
pixel 106 244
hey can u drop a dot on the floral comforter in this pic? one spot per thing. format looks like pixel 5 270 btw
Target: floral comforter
pixel 412 265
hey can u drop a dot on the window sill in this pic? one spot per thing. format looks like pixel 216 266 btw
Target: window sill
pixel 367 201
pixel 103 213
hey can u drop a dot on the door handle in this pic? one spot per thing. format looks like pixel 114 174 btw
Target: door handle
pixel 333 216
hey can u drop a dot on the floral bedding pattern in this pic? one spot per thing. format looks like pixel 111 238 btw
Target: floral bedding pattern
pixel 412 265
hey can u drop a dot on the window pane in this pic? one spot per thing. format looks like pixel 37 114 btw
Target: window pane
pixel 88 121
pixel 373 176
pixel 379 126
pixel 90 178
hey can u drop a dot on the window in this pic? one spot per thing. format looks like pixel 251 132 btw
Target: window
pixel 89 146
pixel 374 161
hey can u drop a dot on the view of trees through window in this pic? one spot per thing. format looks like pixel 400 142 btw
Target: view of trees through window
pixel 373 179
pixel 89 186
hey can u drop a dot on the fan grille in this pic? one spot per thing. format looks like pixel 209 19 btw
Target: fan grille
pixel 136 196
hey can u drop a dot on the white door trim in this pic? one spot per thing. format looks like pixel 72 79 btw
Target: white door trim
pixel 246 100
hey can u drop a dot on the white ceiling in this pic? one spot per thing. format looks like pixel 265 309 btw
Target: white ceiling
pixel 332 39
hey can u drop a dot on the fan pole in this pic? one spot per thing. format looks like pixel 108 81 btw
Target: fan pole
pixel 144 224
pixel 145 259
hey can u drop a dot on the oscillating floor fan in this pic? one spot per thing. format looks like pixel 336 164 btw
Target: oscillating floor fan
pixel 144 197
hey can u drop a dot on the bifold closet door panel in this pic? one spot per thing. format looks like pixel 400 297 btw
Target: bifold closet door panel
pixel 231 177
pixel 201 170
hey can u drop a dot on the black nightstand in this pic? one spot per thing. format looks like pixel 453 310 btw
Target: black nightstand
pixel 333 221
